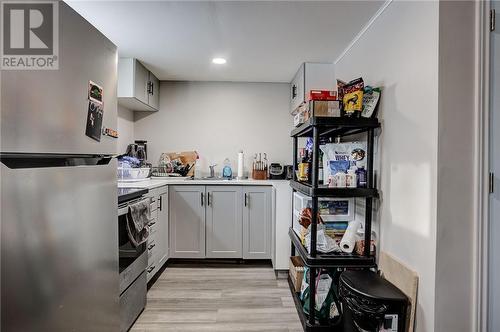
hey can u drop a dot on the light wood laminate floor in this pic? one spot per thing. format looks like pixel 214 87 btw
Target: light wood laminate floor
pixel 232 299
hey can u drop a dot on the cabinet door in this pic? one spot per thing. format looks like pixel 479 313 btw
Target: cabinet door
pixel 224 222
pixel 319 76
pixel 162 231
pixel 141 79
pixel 154 93
pixel 152 246
pixel 187 221
pixel 257 228
pixel 297 94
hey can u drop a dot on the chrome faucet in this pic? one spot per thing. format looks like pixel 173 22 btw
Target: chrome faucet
pixel 212 170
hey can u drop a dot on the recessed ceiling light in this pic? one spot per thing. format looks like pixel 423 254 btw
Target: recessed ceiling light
pixel 219 61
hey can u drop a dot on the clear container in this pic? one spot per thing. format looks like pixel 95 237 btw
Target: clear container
pixel 330 209
pixel 129 174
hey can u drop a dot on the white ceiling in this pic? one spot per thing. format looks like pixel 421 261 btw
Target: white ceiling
pixel 263 41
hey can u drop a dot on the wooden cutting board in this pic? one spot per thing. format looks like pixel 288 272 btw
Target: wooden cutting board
pixel 186 157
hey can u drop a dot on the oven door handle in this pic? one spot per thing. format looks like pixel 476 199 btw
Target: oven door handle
pixel 122 211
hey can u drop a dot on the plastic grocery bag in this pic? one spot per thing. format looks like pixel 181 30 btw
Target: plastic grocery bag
pixel 324 243
pixel 327 305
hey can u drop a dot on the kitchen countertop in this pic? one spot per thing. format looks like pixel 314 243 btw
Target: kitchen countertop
pixel 157 182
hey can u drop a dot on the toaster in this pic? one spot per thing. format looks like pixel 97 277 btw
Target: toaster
pixel 276 172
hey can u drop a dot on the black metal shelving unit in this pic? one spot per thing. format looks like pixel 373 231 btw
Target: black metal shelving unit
pixel 324 191
pixel 317 127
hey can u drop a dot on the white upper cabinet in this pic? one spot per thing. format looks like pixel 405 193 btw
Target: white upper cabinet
pixel 154 96
pixel 311 76
pixel 138 88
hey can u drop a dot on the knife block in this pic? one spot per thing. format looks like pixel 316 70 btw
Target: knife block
pixel 259 174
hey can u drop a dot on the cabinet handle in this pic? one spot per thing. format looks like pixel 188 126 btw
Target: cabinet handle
pixel 149 87
pixel 160 203
pixel 151 246
pixel 150 269
pixel 246 197
pixel 152 88
pixel 201 199
pixel 294 91
pixel 208 198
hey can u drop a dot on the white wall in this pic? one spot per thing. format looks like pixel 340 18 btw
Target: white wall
pixel 217 119
pixel 125 129
pixel 493 230
pixel 400 53
pixel 456 244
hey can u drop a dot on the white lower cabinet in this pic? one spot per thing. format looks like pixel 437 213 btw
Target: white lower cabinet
pixel 220 221
pixel 224 221
pixel 163 227
pixel 187 221
pixel 257 217
pixel 157 245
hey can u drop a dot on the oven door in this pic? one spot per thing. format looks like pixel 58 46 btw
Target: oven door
pixel 132 260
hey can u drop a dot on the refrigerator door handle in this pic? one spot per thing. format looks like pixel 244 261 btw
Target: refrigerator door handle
pixel 29 160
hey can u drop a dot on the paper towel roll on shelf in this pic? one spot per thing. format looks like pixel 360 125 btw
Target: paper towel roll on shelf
pixel 348 241
pixel 240 164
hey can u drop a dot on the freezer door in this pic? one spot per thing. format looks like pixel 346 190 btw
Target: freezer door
pixel 59 249
pixel 45 111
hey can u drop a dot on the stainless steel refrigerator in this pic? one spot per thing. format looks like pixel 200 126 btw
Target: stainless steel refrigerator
pixel 59 240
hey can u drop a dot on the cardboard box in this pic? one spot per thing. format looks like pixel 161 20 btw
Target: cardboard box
pixel 186 157
pixel 322 95
pixel 296 272
pixel 324 108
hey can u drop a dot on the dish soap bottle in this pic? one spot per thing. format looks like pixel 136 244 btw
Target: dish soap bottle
pixel 227 173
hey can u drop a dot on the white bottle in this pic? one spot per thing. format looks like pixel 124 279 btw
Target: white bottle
pixel 340 178
pixel 197 170
pixel 351 178
pixel 241 162
pixel 332 181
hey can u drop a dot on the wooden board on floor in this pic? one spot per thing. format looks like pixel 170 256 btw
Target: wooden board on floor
pixel 403 278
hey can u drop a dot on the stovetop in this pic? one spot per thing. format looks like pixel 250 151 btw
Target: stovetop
pixel 127 194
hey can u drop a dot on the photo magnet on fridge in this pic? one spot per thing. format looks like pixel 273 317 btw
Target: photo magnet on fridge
pixel 95 93
pixel 94 121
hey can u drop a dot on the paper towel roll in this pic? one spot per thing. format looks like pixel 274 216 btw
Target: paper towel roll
pixel 240 164
pixel 350 236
